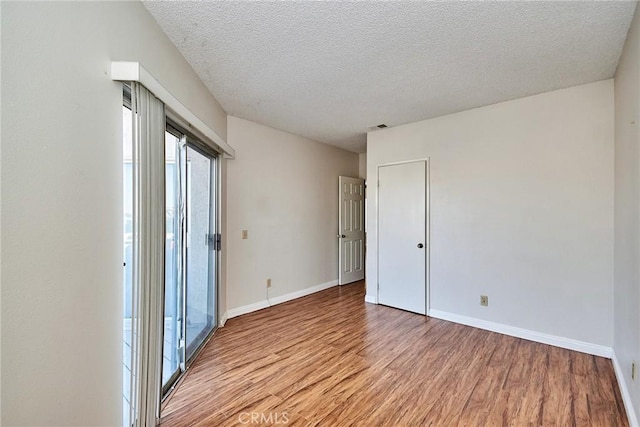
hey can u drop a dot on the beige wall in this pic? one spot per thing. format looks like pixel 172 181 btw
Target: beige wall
pixel 62 201
pixel 283 189
pixel 521 210
pixel 626 335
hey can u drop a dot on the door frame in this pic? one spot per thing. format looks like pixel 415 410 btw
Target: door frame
pixel 427 219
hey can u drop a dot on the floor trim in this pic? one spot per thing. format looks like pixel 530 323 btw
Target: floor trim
pixel 239 311
pixel 568 343
pixel 624 391
pixel 370 299
pixel 223 319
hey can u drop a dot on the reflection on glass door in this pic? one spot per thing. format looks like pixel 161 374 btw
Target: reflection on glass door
pixel 200 289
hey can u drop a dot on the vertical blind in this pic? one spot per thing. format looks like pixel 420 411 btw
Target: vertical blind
pixel 148 168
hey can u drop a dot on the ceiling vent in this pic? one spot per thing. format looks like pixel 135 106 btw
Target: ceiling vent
pixel 381 126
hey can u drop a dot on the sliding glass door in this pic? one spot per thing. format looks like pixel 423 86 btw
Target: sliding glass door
pixel 190 252
pixel 191 248
pixel 201 241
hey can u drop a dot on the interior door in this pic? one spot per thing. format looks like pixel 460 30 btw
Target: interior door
pixel 402 239
pixel 351 232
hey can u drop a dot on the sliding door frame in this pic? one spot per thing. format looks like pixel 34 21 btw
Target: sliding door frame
pixel 175 125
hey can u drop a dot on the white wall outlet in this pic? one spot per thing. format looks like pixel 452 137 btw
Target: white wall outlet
pixel 268 283
pixel 245 234
pixel 484 300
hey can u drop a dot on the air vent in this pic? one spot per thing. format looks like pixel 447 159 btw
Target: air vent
pixel 381 126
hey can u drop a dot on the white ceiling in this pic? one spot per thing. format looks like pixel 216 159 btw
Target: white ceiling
pixel 332 70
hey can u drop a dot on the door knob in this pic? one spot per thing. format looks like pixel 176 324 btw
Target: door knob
pixel 420 245
pixel 341 235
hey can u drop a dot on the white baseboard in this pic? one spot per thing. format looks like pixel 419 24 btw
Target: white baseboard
pixel 223 319
pixel 249 308
pixel 370 299
pixel 568 343
pixel 624 391
pixel 239 311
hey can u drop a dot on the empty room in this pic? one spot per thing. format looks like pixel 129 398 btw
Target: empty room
pixel 320 213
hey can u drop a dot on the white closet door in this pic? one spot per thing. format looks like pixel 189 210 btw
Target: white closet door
pixel 402 245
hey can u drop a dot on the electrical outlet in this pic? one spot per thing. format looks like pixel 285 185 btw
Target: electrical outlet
pixel 484 300
pixel 633 370
pixel 245 234
pixel 268 283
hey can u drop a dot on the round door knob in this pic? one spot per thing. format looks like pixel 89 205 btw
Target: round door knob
pixel 343 236
pixel 420 245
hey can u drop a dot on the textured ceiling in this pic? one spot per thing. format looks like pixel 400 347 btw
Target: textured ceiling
pixel 331 71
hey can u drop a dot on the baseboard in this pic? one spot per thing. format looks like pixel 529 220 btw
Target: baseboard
pixel 568 343
pixel 249 308
pixel 223 319
pixel 370 299
pixel 239 311
pixel 624 391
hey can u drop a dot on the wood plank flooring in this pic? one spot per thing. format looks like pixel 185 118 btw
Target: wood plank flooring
pixel 329 359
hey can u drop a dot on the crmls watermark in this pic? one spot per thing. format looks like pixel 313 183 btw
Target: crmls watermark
pixel 262 418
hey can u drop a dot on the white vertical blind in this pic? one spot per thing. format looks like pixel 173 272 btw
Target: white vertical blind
pixel 148 254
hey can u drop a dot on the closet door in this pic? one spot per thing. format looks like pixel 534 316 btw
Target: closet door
pixel 402 237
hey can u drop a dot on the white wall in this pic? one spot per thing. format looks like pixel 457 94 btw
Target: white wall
pixel 62 201
pixel 283 189
pixel 521 210
pixel 626 342
pixel 362 165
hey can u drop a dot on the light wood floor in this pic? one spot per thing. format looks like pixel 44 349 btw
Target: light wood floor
pixel 329 359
